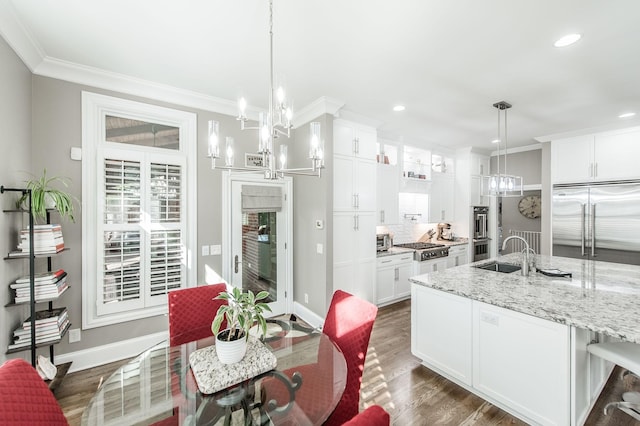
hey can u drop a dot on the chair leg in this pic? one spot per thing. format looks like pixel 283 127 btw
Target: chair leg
pixel 630 408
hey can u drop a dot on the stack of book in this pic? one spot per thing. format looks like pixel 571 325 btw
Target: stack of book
pixel 50 326
pixel 47 239
pixel 48 285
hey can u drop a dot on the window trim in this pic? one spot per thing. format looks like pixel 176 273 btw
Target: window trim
pixel 94 108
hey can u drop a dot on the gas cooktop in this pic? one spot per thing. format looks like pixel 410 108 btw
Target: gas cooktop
pixel 419 246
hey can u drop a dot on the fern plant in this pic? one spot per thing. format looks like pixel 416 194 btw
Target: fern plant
pixel 42 191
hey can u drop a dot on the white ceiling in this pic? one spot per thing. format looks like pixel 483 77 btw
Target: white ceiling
pixel 447 61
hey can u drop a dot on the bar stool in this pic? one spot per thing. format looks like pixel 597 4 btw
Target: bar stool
pixel 627 356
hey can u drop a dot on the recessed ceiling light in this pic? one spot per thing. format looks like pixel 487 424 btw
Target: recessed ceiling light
pixel 567 40
pixel 627 115
pixel 399 108
pixel 495 141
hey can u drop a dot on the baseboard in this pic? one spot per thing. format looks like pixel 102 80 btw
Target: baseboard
pixel 100 355
pixel 307 315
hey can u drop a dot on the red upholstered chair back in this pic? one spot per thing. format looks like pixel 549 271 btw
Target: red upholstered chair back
pixel 191 312
pixel 372 416
pixel 25 399
pixel 349 323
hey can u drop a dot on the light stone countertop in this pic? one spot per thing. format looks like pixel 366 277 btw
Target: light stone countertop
pixel 600 296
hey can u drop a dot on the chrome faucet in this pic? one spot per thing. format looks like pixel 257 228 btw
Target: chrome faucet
pixel 524 268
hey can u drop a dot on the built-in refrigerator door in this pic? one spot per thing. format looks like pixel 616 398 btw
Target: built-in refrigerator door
pixel 615 232
pixel 571 222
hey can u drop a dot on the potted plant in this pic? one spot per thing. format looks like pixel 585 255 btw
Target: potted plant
pixel 242 311
pixel 44 196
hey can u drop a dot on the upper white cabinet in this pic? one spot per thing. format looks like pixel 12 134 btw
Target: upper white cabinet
pixel 597 157
pixel 479 164
pixel 354 182
pixel 442 198
pixel 388 183
pixel 354 140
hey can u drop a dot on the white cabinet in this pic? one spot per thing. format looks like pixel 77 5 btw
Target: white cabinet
pixel 354 181
pixel 442 198
pixel 441 330
pixel 479 164
pixel 458 255
pixel 388 182
pixel 354 253
pixel 392 279
pixel 596 157
pixel 434 265
pixel 354 140
pixel 354 207
pixel 522 362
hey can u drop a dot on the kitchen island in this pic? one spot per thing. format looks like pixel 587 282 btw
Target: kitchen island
pixel 520 342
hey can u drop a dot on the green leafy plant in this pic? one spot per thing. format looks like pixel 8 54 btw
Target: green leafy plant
pixel 41 189
pixel 242 311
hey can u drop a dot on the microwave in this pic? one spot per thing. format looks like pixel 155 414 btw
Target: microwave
pixel 383 242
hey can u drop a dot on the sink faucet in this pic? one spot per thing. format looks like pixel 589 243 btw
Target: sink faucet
pixel 524 269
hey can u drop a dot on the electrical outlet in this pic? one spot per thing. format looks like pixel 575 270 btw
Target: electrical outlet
pixel 319 248
pixel 74 335
pixel 205 250
pixel 306 298
pixel 216 249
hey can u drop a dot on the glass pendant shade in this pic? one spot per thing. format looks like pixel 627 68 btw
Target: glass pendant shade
pixel 502 184
pixel 213 147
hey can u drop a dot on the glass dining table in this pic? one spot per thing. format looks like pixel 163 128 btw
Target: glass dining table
pixel 158 386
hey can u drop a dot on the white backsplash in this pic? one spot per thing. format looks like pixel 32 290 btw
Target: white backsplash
pixel 408 232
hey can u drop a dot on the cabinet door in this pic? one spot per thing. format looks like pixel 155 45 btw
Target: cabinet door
pixel 522 362
pixel 441 331
pixel 365 185
pixel 344 235
pixel 616 155
pixel 572 159
pixel 479 165
pixel 385 280
pixel 388 185
pixel 403 285
pixel 366 143
pixel 343 184
pixel 365 280
pixel 344 138
pixel 365 235
pixel 442 198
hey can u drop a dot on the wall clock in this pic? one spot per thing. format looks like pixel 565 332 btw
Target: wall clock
pixel 529 206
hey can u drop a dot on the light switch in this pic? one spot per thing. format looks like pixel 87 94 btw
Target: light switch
pixel 205 250
pixel 319 248
pixel 216 249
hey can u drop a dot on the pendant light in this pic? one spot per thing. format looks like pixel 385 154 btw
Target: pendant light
pixel 502 184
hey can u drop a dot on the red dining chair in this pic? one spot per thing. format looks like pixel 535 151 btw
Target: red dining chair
pixel 348 324
pixel 191 312
pixel 372 416
pixel 25 399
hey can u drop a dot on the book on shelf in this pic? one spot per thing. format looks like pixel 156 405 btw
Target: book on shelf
pixel 41 283
pixel 47 317
pixel 51 276
pixel 45 332
pixel 25 296
pixel 47 239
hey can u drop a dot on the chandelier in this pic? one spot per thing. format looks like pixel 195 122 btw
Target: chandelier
pixel 501 184
pixel 272 125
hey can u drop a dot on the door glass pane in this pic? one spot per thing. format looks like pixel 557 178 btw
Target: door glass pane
pixel 136 132
pixel 260 253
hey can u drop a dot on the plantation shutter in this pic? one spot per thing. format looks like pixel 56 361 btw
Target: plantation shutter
pixel 142 231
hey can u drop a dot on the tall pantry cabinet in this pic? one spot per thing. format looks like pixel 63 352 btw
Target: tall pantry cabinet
pixel 354 208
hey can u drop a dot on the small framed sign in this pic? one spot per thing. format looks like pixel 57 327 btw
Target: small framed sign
pixel 253 160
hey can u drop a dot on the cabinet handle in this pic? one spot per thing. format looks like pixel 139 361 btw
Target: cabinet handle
pixel 355 223
pixel 353 201
pixel 354 146
pixel 595 170
pixel 386 261
pixel 397 277
pixel 357 145
pixel 381 216
pixel 357 201
pixel 590 170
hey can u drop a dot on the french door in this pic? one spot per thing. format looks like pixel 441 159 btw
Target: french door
pixel 259 256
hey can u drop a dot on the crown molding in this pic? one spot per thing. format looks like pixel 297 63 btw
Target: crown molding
pixel 623 125
pixel 95 77
pixel 18 36
pixel 322 105
pixel 533 147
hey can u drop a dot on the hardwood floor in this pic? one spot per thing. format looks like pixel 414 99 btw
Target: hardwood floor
pixel 394 379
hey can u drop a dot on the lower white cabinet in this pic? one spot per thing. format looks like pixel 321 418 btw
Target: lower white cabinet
pixel 522 362
pixel 458 255
pixel 392 278
pixel 441 332
pixel 537 369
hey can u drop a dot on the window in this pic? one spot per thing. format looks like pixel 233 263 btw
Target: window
pixel 136 228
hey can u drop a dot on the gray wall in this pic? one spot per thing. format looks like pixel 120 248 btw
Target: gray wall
pixel 313 200
pixel 15 122
pixel 526 164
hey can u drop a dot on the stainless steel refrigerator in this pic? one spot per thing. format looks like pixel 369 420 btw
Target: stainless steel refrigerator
pixel 598 221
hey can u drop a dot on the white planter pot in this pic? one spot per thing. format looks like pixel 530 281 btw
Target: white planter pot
pixel 230 352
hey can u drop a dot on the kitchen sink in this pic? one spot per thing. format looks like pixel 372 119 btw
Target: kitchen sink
pixel 506 268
